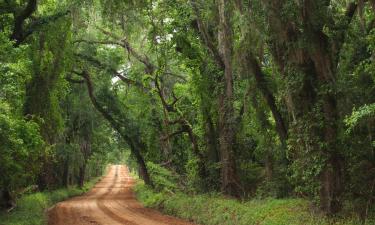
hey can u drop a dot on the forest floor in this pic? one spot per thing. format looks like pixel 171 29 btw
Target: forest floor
pixel 111 202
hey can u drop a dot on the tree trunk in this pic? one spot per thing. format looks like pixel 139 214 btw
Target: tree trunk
pixel 332 174
pixel 18 35
pixel 254 66
pixel 211 139
pixel 6 200
pixel 65 178
pixel 143 171
pixel 82 173
pixel 331 186
pixel 229 181
pixel 212 153
pixel 269 166
pixel 45 178
pixel 270 100
pixel 133 141
pixel 318 64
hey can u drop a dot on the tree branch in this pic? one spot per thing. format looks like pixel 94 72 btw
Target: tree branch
pixel 133 144
pixel 270 99
pixel 35 25
pixel 166 106
pixel 343 27
pixel 106 42
pixel 101 65
pixel 17 33
pixel 71 80
pixel 150 68
pixel 202 31
pixel 180 131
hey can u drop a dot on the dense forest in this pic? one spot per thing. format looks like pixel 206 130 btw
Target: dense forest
pixel 246 98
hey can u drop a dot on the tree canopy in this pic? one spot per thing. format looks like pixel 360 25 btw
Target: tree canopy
pixel 249 98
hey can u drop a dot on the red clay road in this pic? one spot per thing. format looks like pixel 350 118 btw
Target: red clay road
pixel 110 202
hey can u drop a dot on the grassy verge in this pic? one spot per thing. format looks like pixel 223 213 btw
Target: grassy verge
pixel 215 210
pixel 31 208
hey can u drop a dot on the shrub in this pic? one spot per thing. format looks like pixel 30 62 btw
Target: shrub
pixel 31 208
pixel 214 209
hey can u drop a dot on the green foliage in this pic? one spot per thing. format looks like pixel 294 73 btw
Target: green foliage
pixel 217 210
pixel 363 113
pixel 31 208
pixel 48 61
pixel 21 147
pixel 148 197
pixel 163 179
pixel 158 75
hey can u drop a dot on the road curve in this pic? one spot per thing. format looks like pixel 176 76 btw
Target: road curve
pixel 110 202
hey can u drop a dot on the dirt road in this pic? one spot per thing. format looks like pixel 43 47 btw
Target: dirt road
pixel 110 202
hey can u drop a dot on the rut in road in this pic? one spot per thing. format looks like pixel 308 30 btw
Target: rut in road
pixel 110 202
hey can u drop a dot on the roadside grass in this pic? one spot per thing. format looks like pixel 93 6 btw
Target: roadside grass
pixel 31 208
pixel 216 210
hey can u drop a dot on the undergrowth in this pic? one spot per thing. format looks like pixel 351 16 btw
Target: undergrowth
pixel 214 209
pixel 30 209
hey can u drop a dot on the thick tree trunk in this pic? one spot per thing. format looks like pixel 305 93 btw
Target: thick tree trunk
pixel 229 180
pixel 222 57
pixel 318 64
pixel 212 153
pixel 332 175
pixel 41 104
pixel 331 186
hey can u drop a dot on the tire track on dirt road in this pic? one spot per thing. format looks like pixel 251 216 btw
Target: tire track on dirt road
pixel 110 202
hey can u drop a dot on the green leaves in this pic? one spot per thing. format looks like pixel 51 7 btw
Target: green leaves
pixel 361 115
pixel 20 150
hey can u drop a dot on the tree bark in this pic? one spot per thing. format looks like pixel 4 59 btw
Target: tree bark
pixel 136 147
pixel 65 178
pixel 211 139
pixel 19 20
pixel 318 65
pixel 229 180
pixel 270 100
pixel 82 174
pixel 331 185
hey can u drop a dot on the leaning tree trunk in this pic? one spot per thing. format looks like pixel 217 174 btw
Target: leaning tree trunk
pixel 135 147
pixel 133 141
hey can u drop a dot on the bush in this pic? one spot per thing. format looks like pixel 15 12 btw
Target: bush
pixel 31 208
pixel 162 178
pixel 213 209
